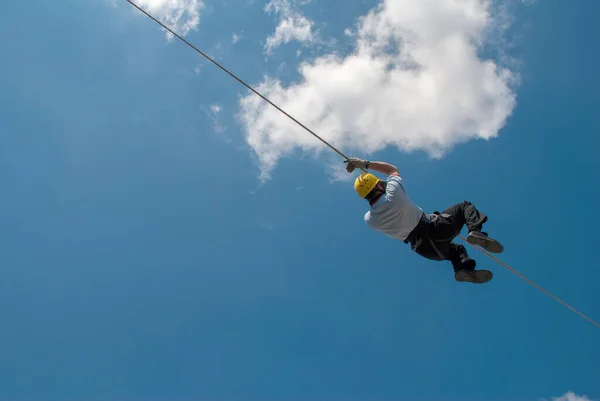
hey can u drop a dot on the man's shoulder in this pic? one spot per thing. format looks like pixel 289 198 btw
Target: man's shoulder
pixel 394 184
pixel 394 177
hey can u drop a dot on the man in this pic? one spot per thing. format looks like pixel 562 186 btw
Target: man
pixel 430 235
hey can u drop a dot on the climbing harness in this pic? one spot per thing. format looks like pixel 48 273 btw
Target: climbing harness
pixel 345 157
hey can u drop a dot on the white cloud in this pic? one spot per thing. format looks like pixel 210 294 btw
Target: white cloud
pixel 236 38
pixel 213 116
pixel 182 16
pixel 415 80
pixel 293 25
pixel 338 173
pixel 571 396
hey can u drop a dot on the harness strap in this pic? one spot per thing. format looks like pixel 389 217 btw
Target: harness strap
pixel 421 232
pixel 435 248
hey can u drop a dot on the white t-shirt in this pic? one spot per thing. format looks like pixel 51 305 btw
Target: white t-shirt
pixel 394 214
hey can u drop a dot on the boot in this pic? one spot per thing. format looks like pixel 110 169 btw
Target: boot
pixel 473 276
pixel 482 239
pixel 464 268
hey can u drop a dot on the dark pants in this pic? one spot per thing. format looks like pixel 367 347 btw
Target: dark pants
pixel 433 237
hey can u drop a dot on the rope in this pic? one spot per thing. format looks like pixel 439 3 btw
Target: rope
pixel 529 281
pixel 240 81
pixel 344 156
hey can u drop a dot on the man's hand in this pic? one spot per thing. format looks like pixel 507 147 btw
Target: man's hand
pixel 354 163
pixel 380 167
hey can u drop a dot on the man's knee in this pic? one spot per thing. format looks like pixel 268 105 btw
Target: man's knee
pixel 465 204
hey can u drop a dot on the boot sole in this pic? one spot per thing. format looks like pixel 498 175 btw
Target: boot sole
pixel 486 243
pixel 477 277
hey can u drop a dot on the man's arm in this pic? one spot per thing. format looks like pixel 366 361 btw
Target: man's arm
pixel 380 167
pixel 383 168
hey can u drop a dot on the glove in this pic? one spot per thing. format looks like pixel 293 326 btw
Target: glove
pixel 355 162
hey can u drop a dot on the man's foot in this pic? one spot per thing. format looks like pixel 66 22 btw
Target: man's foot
pixel 487 243
pixel 473 276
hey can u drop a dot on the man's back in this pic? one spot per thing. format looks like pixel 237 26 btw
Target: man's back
pixel 394 214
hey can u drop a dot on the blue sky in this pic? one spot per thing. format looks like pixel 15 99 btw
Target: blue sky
pixel 144 259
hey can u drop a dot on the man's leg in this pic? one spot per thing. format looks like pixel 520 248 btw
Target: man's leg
pixel 445 227
pixel 458 256
pixel 465 213
pixel 464 266
pixel 438 243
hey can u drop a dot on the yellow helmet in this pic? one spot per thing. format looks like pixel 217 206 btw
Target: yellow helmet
pixel 364 184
